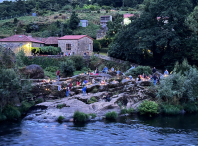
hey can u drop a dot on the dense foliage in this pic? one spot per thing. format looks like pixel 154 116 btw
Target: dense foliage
pixel 148 108
pixel 140 70
pixel 46 50
pixel 111 115
pixel 80 117
pixel 159 36
pixel 67 67
pixel 96 46
pixel 181 85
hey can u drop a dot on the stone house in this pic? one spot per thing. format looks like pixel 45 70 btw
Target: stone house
pixel 16 42
pixel 76 44
pixel 105 19
pixel 101 33
pixel 50 41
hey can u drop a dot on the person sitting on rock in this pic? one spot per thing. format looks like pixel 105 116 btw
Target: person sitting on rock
pixel 97 71
pixel 85 82
pixel 107 97
pixel 93 81
pixel 130 77
pixel 77 83
pixel 166 72
pixel 105 69
pixel 118 73
pixel 112 69
pixel 70 85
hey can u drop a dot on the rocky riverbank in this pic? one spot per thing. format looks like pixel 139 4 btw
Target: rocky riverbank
pixel 123 92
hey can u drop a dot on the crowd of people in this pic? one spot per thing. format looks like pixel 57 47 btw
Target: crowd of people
pixel 155 77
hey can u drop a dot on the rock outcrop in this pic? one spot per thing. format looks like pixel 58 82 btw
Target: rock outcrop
pixel 33 71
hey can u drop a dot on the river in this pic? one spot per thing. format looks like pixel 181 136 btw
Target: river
pixel 127 131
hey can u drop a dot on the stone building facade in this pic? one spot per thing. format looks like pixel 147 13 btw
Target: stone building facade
pixel 16 42
pixel 76 44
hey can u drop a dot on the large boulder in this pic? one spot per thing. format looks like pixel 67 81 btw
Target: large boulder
pixel 33 71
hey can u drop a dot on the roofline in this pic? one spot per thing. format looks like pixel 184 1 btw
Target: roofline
pixel 77 39
pixel 23 41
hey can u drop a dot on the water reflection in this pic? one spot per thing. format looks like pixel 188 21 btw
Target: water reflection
pixel 162 130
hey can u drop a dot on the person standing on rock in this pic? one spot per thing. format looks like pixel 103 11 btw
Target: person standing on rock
pixel 154 70
pixel 112 69
pixel 118 73
pixel 67 91
pixel 57 73
pixel 84 90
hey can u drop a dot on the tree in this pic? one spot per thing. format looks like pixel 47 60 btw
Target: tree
pixel 96 46
pixel 159 31
pixel 74 21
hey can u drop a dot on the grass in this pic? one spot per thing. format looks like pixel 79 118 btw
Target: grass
pixel 80 117
pixel 111 115
pixel 60 106
pixel 93 115
pixel 61 118
pixel 51 75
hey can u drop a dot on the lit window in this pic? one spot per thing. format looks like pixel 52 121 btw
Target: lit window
pixel 68 46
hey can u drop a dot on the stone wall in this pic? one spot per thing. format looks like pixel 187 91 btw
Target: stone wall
pixel 78 47
pixel 85 46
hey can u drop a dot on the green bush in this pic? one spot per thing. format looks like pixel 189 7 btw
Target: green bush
pixel 140 70
pixel 95 90
pixel 92 100
pixel 52 68
pixel 67 67
pixel 111 115
pixel 131 110
pixel 93 115
pixel 61 118
pixel 124 111
pixel 2 117
pixel 79 62
pixel 169 109
pixel 148 108
pixel 80 117
pixel 11 112
pixel 26 106
pixel 46 50
pixel 60 106
pixel 96 46
pixel 190 107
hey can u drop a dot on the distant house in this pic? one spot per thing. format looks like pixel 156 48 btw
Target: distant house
pixel 126 20
pixel 76 44
pixel 101 33
pixel 16 42
pixel 83 23
pixel 105 19
pixel 51 41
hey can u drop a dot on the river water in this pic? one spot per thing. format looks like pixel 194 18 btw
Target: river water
pixel 127 131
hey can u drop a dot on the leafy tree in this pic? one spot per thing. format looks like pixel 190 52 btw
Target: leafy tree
pixel 67 67
pixel 160 31
pixel 74 21
pixel 96 45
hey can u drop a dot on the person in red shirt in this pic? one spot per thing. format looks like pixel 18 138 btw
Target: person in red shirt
pixel 57 73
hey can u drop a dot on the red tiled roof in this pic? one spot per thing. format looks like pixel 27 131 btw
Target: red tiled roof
pixel 51 40
pixel 20 38
pixel 73 37
pixel 128 15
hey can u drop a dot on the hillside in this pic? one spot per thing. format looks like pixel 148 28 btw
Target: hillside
pixel 42 24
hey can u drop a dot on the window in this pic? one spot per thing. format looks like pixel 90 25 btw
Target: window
pixel 68 46
pixel 89 46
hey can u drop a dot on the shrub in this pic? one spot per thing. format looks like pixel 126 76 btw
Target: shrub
pixel 140 70
pixel 98 11
pixel 11 112
pixel 46 50
pixel 96 46
pixel 93 115
pixel 79 62
pixel 52 68
pixel 111 115
pixel 21 59
pixel 61 118
pixel 80 117
pixel 67 67
pixel 60 106
pixel 190 107
pixel 131 110
pixel 39 100
pixel 92 100
pixel 95 90
pixel 2 117
pixel 170 109
pixel 124 111
pixel 148 108
pixel 26 106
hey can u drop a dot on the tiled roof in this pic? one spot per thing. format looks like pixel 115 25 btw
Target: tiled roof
pixel 51 40
pixel 73 37
pixel 128 15
pixel 20 38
